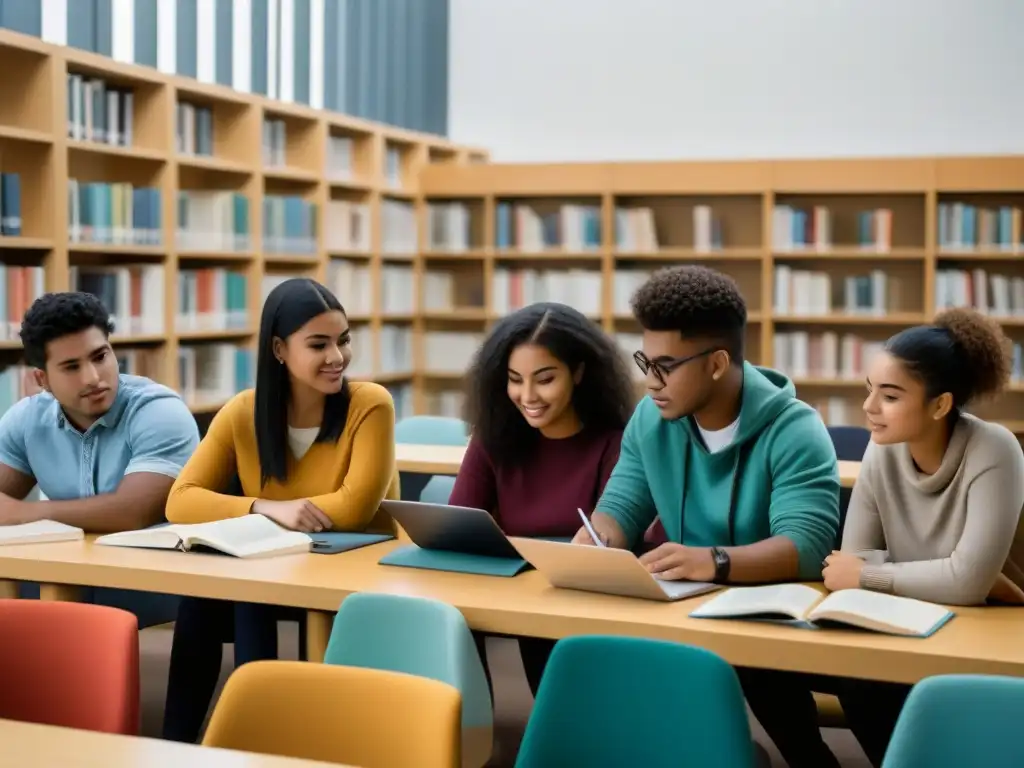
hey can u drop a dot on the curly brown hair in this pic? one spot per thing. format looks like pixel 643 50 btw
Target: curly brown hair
pixel 963 352
pixel 696 301
pixel 986 349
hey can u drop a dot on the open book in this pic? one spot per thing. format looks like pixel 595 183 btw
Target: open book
pixel 39 532
pixel 807 606
pixel 248 536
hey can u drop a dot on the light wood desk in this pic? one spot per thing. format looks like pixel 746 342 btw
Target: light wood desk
pixel 446 459
pixel 27 745
pixel 978 640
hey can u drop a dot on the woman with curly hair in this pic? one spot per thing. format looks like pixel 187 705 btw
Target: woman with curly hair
pixel 936 511
pixel 548 396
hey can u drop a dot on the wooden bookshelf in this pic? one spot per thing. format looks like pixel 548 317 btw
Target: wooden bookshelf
pixel 899 223
pixel 230 178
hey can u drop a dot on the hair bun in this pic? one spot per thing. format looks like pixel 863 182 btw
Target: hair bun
pixel 986 349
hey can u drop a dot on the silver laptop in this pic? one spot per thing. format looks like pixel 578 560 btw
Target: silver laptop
pixel 602 569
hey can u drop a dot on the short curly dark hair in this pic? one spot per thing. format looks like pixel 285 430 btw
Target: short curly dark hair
pixel 54 315
pixel 696 301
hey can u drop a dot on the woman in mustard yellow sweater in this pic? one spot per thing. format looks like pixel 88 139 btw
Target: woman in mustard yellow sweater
pixel 306 448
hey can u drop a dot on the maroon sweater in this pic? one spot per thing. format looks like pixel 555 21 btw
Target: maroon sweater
pixel 540 496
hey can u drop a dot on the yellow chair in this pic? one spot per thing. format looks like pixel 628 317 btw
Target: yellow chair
pixel 350 715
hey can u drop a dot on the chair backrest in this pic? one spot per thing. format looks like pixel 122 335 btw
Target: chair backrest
pixel 614 701
pixel 417 636
pixel 366 717
pixel 69 664
pixel 438 489
pixel 953 721
pixel 850 442
pixel 431 430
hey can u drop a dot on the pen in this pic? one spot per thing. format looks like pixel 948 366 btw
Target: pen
pixel 590 528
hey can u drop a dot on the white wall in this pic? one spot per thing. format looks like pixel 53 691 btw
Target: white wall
pixel 553 80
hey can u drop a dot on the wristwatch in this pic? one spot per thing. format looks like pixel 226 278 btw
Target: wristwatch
pixel 722 564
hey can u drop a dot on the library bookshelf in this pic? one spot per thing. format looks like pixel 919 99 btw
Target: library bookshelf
pixel 832 256
pixel 181 203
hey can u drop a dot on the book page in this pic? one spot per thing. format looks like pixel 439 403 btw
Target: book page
pixel 788 600
pixel 39 531
pixel 242 536
pixel 163 537
pixel 880 612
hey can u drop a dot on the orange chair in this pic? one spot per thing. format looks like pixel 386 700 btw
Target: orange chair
pixel 350 715
pixel 69 664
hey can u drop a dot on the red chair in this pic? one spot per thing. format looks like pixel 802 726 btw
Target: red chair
pixel 69 664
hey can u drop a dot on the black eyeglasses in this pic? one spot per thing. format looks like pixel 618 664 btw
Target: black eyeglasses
pixel 665 365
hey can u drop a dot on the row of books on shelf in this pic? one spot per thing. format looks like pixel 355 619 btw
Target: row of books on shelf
pixel 964 226
pixel 513 289
pixel 340 165
pixel 347 226
pixel 22 286
pixel 393 166
pixel 213 220
pixel 99 112
pixel 570 228
pixel 289 225
pixel 274 142
pixel 193 129
pixel 798 229
pixel 449 227
pixel 10 204
pixel 450 352
pixel 213 373
pixel 352 283
pixel 803 292
pixel 16 382
pixel 997 295
pixel 398 228
pixel 114 213
pixel 212 299
pixel 636 230
pixel 442 291
pixel 446 402
pixel 133 295
pixel 844 357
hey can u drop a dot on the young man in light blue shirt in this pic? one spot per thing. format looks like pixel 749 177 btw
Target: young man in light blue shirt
pixel 103 447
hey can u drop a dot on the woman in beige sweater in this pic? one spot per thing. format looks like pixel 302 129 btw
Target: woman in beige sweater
pixel 936 511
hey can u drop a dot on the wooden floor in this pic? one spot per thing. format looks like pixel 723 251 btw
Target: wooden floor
pixel 512 705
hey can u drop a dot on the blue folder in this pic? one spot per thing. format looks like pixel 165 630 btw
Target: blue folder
pixel 332 543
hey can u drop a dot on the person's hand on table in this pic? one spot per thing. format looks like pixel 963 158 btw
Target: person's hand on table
pixel 16 511
pixel 677 562
pixel 842 571
pixel 297 515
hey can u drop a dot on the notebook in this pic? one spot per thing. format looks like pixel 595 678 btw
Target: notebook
pixel 39 532
pixel 805 606
pixel 602 569
pixel 250 536
pixel 332 543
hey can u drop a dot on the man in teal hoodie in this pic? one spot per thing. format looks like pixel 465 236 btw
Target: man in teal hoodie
pixel 730 470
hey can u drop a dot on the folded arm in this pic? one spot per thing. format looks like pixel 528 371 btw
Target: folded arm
pixel 352 507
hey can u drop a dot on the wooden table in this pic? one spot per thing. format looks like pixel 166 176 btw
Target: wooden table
pixel 446 459
pixel 978 640
pixel 27 745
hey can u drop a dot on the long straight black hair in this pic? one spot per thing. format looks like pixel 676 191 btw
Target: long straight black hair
pixel 289 306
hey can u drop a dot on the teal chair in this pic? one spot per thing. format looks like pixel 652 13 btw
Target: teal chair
pixel 429 430
pixel 421 637
pixel 956 721
pixel 606 702
pixel 438 489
